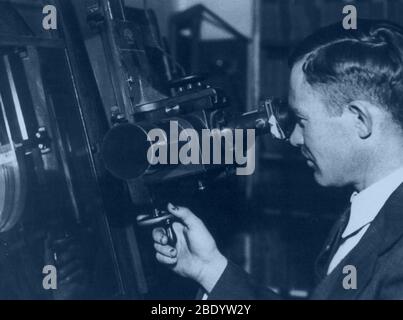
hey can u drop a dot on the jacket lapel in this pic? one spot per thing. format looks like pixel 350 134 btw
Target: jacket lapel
pixel 383 232
pixel 363 257
pixel 323 259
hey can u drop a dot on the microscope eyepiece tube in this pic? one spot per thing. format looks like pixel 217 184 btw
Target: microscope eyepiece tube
pixel 127 147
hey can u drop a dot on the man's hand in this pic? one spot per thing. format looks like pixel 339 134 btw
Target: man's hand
pixel 196 255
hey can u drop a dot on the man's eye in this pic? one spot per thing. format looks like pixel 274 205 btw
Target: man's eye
pixel 300 122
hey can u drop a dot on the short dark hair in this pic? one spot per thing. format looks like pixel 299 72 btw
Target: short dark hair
pixel 363 63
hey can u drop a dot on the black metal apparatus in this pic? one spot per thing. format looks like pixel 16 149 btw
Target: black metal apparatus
pixel 52 182
pixel 146 104
pixel 78 103
pixel 195 106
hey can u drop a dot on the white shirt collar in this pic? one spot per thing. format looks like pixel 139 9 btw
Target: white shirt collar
pixel 366 205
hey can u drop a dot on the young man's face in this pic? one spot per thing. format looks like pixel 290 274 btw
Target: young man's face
pixel 326 140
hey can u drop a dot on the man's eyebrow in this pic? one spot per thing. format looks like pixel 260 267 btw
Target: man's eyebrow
pixel 294 110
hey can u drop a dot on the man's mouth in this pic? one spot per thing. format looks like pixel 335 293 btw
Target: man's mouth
pixel 308 159
pixel 310 163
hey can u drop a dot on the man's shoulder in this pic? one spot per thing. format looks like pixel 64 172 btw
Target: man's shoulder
pixel 389 223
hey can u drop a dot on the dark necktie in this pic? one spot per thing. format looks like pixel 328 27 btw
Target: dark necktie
pixel 332 244
pixel 339 239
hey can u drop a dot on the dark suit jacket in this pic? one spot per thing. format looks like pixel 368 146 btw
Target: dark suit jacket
pixel 378 259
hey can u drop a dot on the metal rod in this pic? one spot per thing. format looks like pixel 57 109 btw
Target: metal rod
pixel 254 77
pixel 16 99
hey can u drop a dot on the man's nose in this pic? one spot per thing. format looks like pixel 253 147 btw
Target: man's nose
pixel 296 138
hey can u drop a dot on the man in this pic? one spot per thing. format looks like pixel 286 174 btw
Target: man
pixel 346 90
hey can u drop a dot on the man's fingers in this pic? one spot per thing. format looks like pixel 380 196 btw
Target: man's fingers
pixel 165 260
pixel 187 216
pixel 178 228
pixel 167 251
pixel 159 236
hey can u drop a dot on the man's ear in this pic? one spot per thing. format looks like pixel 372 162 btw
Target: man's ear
pixel 362 117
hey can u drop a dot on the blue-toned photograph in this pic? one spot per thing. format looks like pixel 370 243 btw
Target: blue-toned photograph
pixel 201 150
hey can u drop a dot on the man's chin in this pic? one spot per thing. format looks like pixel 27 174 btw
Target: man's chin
pixel 324 181
pixel 320 179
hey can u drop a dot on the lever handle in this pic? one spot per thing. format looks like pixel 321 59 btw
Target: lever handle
pixel 172 239
pixel 161 218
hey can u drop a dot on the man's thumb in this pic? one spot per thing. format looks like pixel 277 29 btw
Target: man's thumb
pixel 184 214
